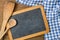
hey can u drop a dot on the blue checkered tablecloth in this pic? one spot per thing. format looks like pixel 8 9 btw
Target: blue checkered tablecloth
pixel 52 8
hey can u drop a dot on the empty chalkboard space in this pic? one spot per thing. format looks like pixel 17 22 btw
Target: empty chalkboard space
pixel 28 23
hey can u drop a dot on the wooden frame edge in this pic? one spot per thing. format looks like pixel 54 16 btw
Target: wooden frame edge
pixel 45 20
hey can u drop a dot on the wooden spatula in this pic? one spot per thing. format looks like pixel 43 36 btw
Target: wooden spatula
pixel 10 24
pixel 8 10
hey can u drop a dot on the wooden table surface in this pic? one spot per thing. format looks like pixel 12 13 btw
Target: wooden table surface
pixel 17 7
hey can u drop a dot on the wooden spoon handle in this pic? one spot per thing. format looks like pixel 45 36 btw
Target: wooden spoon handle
pixel 4 33
pixel 8 9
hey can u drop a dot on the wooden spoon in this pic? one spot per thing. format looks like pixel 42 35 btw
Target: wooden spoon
pixel 7 12
pixel 10 24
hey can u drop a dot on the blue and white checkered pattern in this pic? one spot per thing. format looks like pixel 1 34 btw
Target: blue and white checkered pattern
pixel 52 8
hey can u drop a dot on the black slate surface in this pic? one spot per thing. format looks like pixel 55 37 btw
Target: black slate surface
pixel 29 22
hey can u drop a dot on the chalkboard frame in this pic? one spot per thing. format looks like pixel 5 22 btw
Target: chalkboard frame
pixel 35 34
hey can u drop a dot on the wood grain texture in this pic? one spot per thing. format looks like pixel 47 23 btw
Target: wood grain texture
pixel 17 7
pixel 7 12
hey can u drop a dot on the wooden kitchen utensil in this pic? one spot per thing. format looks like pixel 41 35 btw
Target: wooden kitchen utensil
pixel 8 10
pixel 10 24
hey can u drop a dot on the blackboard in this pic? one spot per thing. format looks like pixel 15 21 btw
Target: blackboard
pixel 29 22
